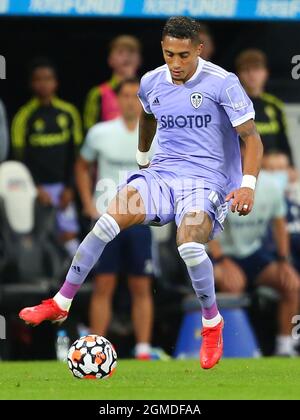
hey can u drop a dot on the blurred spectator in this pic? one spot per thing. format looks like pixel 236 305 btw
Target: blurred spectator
pixel 208 42
pixel 288 180
pixel 3 133
pixel 124 59
pixel 242 261
pixel 252 69
pixel 45 134
pixel 113 145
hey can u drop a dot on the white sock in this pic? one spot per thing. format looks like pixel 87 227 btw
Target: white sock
pixel 213 321
pixel 142 348
pixel 63 302
pixel 284 345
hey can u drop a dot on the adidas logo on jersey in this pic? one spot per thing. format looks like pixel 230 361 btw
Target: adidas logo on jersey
pixel 156 101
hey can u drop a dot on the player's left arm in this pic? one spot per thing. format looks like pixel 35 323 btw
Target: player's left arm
pixel 243 197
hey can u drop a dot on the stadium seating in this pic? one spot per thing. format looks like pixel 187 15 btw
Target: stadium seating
pixel 30 255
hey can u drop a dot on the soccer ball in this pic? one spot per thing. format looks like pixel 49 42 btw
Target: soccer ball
pixel 92 357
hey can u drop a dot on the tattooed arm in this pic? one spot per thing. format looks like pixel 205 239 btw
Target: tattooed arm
pixel 253 147
pixel 243 198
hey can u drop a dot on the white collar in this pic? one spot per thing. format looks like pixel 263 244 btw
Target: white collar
pixel 199 68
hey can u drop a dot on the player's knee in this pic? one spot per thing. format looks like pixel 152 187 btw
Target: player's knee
pixel 192 253
pixel 127 208
pixel 106 228
pixel 195 227
pixel 187 234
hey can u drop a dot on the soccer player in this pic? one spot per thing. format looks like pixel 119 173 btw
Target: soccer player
pixel 195 110
pixel 113 145
pixel 46 133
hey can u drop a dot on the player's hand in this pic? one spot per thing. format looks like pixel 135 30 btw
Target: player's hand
pixel 43 197
pixel 242 200
pixel 91 212
pixel 229 277
pixel 66 198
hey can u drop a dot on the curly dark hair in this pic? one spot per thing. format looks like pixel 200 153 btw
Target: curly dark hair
pixel 183 28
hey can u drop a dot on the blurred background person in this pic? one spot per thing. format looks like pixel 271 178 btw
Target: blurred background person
pixel 242 262
pixel 288 180
pixel 208 42
pixel 124 59
pixel 4 138
pixel 252 70
pixel 46 132
pixel 113 145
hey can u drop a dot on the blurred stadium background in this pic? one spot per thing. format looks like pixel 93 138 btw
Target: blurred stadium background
pixel 75 36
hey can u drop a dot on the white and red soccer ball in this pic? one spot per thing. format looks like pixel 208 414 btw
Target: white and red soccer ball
pixel 92 357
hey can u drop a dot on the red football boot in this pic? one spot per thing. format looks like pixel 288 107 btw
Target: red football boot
pixel 143 356
pixel 212 345
pixel 48 310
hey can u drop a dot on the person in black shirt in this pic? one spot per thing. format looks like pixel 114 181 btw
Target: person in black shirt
pixel 46 132
pixel 252 70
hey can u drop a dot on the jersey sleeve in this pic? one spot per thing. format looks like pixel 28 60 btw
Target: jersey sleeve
pixel 142 94
pixel 235 101
pixel 88 150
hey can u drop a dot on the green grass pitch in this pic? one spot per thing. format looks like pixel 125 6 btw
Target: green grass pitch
pixel 266 378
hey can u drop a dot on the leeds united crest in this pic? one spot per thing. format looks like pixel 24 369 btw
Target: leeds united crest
pixel 196 99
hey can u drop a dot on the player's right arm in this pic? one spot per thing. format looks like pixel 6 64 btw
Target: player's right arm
pixel 147 129
pixel 147 124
